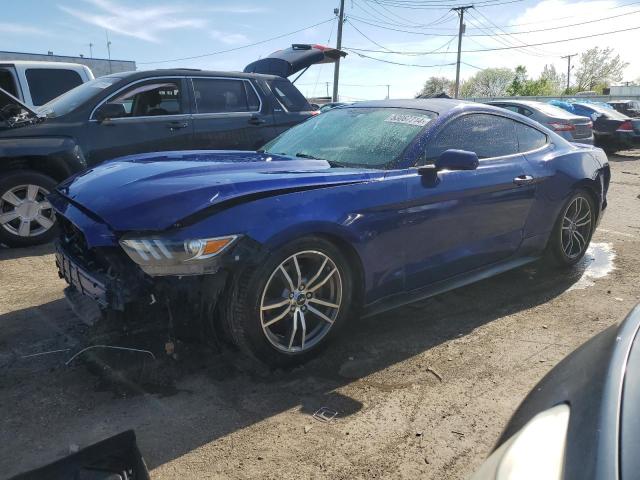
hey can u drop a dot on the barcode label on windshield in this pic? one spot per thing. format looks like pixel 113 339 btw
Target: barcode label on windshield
pixel 415 120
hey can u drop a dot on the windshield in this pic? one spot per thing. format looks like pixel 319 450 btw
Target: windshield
pixel 77 96
pixel 365 137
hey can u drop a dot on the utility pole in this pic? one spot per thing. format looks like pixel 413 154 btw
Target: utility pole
pixel 108 49
pixel 336 71
pixel 327 88
pixel 90 50
pixel 461 29
pixel 388 91
pixel 568 57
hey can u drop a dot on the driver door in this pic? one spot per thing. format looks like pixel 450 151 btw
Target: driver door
pixel 155 116
pixel 470 218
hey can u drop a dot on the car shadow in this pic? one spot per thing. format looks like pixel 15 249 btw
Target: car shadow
pixel 9 253
pixel 625 156
pixel 217 393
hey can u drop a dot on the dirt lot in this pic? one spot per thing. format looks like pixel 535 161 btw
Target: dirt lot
pixel 489 343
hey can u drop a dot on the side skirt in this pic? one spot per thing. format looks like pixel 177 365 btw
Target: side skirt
pixel 442 286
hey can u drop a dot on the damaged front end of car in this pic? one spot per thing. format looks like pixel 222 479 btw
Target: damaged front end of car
pixel 137 277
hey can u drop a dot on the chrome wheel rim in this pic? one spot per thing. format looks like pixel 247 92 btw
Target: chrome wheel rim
pixel 25 211
pixel 301 301
pixel 576 227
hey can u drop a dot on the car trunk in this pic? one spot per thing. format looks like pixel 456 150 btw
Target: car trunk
pixel 583 128
pixel 297 58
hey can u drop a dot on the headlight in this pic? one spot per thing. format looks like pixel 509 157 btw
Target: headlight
pixel 161 256
pixel 535 452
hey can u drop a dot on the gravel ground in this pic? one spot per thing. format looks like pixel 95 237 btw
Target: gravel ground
pixel 421 392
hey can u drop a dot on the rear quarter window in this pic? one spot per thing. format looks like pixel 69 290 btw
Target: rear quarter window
pixel 289 96
pixel 487 135
pixel 529 138
pixel 48 83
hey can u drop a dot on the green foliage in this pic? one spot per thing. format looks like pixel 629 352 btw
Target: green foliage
pixel 490 82
pixel 599 67
pixel 435 85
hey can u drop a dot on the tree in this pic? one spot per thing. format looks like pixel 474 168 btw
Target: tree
pixel 435 85
pixel 556 81
pixel 490 82
pixel 519 82
pixel 599 66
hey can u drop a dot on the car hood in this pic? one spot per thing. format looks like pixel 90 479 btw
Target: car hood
pixel 162 190
pixel 14 113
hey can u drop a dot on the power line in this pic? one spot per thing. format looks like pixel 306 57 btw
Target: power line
pixel 501 48
pixel 498 27
pixel 396 63
pixel 388 49
pixel 237 48
pixel 448 6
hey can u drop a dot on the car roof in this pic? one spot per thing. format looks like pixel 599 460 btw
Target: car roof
pixel 43 64
pixel 438 105
pixel 527 103
pixel 192 72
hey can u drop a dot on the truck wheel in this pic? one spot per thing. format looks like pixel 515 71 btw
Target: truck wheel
pixel 26 216
pixel 573 229
pixel 284 311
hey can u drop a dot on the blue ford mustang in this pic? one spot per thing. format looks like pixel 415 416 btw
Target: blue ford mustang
pixel 355 211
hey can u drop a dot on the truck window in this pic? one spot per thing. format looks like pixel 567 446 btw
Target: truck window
pixel 7 83
pixel 48 83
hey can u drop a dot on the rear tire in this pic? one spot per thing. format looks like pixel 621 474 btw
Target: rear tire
pixel 26 217
pixel 286 310
pixel 573 229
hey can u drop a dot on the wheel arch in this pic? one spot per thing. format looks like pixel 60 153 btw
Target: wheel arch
pixel 52 167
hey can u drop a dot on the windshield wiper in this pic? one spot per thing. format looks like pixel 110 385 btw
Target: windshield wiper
pixel 306 155
pixel 333 163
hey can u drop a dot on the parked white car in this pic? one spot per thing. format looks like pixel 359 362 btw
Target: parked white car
pixel 35 83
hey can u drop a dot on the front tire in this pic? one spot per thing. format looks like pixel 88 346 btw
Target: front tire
pixel 26 216
pixel 572 232
pixel 287 309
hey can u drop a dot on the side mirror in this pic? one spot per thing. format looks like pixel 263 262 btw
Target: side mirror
pixel 451 160
pixel 457 160
pixel 110 110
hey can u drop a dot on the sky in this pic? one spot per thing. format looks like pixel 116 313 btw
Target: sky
pixel 155 33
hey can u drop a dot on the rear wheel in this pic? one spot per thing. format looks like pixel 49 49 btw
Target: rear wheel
pixel 26 216
pixel 573 229
pixel 286 310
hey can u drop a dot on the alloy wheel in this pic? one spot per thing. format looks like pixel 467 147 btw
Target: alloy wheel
pixel 25 211
pixel 576 227
pixel 301 301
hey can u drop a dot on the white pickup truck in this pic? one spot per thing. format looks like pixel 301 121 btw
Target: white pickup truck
pixel 35 83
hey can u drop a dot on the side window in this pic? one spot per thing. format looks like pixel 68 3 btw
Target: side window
pixel 525 111
pixel 529 138
pixel 486 135
pixel 48 83
pixel 511 108
pixel 157 97
pixel 289 96
pixel 7 83
pixel 213 95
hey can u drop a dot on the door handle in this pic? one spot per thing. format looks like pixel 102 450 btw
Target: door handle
pixel 524 180
pixel 256 121
pixel 177 125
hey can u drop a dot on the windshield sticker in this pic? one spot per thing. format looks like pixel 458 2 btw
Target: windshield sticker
pixel 415 120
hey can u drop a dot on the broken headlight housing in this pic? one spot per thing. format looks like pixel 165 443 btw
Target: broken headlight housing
pixel 158 256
